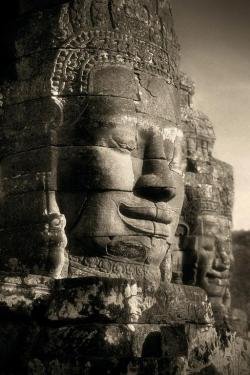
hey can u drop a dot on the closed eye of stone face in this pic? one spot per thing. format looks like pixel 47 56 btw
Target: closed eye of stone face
pixel 124 139
pixel 114 132
pixel 123 144
pixel 208 248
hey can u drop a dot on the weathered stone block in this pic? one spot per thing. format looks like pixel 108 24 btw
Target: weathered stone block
pixel 29 209
pixel 33 161
pixel 127 302
pixel 21 295
pixel 25 183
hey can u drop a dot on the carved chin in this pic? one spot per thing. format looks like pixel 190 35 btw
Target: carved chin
pixel 134 249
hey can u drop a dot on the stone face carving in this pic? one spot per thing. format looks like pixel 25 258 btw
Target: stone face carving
pixel 122 193
pixel 214 258
pixel 109 147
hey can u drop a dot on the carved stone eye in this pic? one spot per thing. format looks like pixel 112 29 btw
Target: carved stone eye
pixel 208 247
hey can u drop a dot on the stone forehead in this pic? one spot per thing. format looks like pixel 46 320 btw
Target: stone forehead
pixel 119 90
pixel 218 226
pixel 114 110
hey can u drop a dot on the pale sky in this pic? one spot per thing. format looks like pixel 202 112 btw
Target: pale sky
pixel 215 41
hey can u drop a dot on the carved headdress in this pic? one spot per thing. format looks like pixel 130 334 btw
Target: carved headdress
pixel 135 33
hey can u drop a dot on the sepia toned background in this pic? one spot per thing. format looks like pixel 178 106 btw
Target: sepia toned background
pixel 215 39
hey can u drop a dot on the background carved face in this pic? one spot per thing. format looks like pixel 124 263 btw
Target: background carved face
pixel 214 256
pixel 121 186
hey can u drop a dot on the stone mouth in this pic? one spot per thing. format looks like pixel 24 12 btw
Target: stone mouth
pixel 153 213
pixel 217 278
pixel 147 219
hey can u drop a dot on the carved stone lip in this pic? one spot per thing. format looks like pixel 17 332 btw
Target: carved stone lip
pixel 217 278
pixel 145 219
pixel 154 214
pixel 214 274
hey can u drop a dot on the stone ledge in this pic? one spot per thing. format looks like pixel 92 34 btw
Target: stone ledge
pixel 105 300
pixel 21 293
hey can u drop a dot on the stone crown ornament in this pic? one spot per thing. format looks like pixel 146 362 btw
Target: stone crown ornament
pixel 138 34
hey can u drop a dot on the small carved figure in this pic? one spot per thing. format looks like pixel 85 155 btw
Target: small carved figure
pixel 178 256
pixel 57 241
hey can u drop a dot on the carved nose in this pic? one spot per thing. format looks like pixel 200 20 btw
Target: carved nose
pixel 156 182
pixel 222 263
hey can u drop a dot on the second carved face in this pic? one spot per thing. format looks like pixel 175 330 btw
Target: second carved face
pixel 214 259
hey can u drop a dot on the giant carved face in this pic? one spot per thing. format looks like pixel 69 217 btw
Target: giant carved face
pixel 120 184
pixel 214 258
